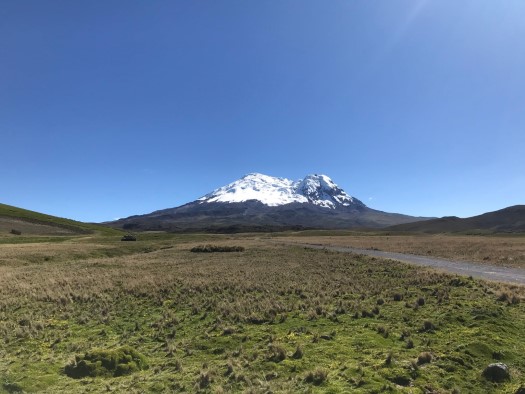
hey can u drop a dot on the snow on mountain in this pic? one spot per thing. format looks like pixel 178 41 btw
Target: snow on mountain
pixel 260 202
pixel 322 191
pixel 269 190
pixel 316 189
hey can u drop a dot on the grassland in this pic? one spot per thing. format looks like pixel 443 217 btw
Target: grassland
pixel 502 250
pixel 39 224
pixel 271 318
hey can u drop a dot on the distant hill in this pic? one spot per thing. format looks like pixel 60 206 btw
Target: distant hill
pixel 258 202
pixel 509 220
pixel 34 223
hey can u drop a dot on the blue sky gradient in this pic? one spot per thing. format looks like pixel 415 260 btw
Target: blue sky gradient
pixel 114 108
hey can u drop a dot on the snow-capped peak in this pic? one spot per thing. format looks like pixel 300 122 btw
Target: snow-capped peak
pixel 321 190
pixel 316 189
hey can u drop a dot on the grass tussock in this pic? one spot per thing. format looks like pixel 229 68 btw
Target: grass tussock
pixel 424 358
pixel 317 377
pixel 101 362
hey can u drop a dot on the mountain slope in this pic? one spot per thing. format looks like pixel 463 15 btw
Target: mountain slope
pixel 510 219
pixel 261 202
pixel 30 222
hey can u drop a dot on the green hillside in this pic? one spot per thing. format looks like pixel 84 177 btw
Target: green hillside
pixel 40 219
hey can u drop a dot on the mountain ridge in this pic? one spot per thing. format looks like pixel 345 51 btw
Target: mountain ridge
pixel 509 219
pixel 272 191
pixel 261 202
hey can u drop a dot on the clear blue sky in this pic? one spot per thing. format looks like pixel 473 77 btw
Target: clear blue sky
pixel 113 108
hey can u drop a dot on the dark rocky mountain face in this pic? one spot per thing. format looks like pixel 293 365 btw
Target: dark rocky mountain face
pixel 255 216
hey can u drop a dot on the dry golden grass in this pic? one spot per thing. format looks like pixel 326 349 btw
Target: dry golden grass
pixel 53 271
pixel 506 251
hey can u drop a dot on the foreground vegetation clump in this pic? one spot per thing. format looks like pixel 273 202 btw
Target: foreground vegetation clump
pixel 216 248
pixel 101 362
pixel 316 377
pixel 272 319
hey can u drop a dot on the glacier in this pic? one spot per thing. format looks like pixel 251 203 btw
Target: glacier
pixel 317 189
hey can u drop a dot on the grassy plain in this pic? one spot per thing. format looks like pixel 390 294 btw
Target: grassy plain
pixel 503 250
pixel 270 318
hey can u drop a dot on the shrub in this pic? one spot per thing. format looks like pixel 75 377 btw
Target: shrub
pixel 122 361
pixel 216 248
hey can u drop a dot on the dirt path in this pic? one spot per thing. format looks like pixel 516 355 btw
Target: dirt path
pixel 476 270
